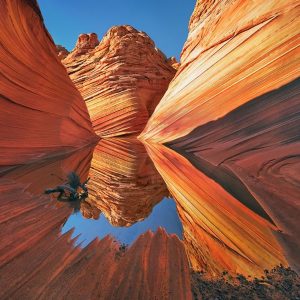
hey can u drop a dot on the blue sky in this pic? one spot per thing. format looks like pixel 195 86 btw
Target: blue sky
pixel 164 214
pixel 165 21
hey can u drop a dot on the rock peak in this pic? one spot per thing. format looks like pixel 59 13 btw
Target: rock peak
pixel 122 79
pixel 85 43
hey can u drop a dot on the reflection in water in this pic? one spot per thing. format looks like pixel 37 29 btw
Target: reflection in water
pixel 124 183
pixel 220 232
pixel 163 215
pixel 125 197
pixel 36 260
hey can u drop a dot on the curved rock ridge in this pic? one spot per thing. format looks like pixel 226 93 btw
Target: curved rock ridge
pixel 236 51
pixel 42 113
pixel 220 233
pixel 122 79
pixel 124 183
pixel 36 260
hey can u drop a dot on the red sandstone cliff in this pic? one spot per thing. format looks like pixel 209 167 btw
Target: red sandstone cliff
pixel 233 110
pixel 42 113
pixel 122 78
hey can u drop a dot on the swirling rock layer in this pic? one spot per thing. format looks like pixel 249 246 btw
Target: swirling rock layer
pixel 233 111
pixel 220 232
pixel 236 51
pixel 124 183
pixel 122 79
pixel 42 113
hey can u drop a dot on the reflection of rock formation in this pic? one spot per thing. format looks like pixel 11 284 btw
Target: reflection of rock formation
pixel 124 183
pixel 233 110
pixel 42 113
pixel 26 214
pixel 220 233
pixel 122 79
pixel 36 261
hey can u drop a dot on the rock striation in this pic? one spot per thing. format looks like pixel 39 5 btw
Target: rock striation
pixel 124 183
pixel 122 78
pixel 233 111
pixel 42 113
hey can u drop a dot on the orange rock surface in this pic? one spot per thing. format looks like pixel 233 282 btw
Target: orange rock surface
pixel 233 112
pixel 236 51
pixel 36 261
pixel 42 113
pixel 124 183
pixel 122 79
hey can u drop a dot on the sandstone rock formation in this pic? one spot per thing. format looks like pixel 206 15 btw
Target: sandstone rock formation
pixel 42 113
pixel 232 111
pixel 173 62
pixel 124 183
pixel 62 52
pixel 122 79
pixel 84 44
pixel 36 261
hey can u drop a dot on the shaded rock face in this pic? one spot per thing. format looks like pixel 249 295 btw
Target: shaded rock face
pixel 124 183
pixel 40 260
pixel 232 115
pixel 122 79
pixel 42 113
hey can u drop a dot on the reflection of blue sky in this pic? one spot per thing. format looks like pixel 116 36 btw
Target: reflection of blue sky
pixel 163 215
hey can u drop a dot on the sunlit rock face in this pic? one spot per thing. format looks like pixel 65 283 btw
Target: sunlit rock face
pixel 236 51
pixel 221 233
pixel 36 260
pixel 42 113
pixel 232 111
pixel 124 183
pixel 122 79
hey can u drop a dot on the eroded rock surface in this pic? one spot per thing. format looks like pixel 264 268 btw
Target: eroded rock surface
pixel 42 113
pixel 122 78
